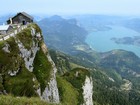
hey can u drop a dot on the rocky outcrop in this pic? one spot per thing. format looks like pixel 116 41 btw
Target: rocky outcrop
pixel 88 91
pixel 13 73
pixel 6 48
pixel 50 93
pixel 29 55
pixel 27 44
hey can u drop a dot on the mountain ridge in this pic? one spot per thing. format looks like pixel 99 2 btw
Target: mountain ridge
pixel 26 69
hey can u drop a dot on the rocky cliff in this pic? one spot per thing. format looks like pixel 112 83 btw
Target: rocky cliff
pixel 26 69
pixel 88 91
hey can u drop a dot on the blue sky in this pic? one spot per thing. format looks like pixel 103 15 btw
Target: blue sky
pixel 118 7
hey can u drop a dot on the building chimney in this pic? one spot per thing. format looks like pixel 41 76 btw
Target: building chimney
pixel 11 21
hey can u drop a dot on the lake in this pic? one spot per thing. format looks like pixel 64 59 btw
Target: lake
pixel 101 40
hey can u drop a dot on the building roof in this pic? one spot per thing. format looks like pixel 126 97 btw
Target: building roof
pixel 24 13
pixel 4 27
pixel 27 15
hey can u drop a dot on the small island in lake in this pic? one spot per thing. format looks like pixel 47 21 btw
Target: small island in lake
pixel 128 40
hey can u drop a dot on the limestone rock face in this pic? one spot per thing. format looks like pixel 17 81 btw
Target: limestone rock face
pixel 6 48
pixel 88 91
pixel 51 93
pixel 29 55
pixel 21 52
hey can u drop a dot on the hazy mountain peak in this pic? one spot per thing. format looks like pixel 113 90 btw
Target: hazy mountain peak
pixel 56 18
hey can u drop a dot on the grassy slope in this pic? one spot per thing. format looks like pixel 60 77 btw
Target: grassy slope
pixel 15 85
pixel 42 69
pixel 10 100
pixel 68 94
pixel 22 84
pixel 77 78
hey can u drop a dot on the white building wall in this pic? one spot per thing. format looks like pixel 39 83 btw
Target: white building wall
pixel 3 32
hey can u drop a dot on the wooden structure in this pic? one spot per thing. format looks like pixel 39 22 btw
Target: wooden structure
pixel 20 18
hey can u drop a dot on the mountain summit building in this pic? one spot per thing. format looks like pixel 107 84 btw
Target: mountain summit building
pixel 4 29
pixel 20 18
pixel 15 22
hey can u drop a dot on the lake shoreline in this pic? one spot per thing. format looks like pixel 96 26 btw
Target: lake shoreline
pixel 101 40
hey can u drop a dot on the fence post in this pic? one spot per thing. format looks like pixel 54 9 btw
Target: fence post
pixel 15 31
pixel 2 37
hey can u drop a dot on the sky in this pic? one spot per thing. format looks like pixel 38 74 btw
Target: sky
pixel 117 7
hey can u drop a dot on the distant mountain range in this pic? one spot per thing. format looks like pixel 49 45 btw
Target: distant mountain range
pixel 63 34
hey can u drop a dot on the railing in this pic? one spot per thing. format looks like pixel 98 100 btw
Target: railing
pixel 5 37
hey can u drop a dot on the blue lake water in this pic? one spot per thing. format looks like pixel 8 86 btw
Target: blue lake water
pixel 101 40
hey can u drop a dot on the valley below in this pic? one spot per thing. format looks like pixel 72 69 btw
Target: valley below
pixel 87 43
